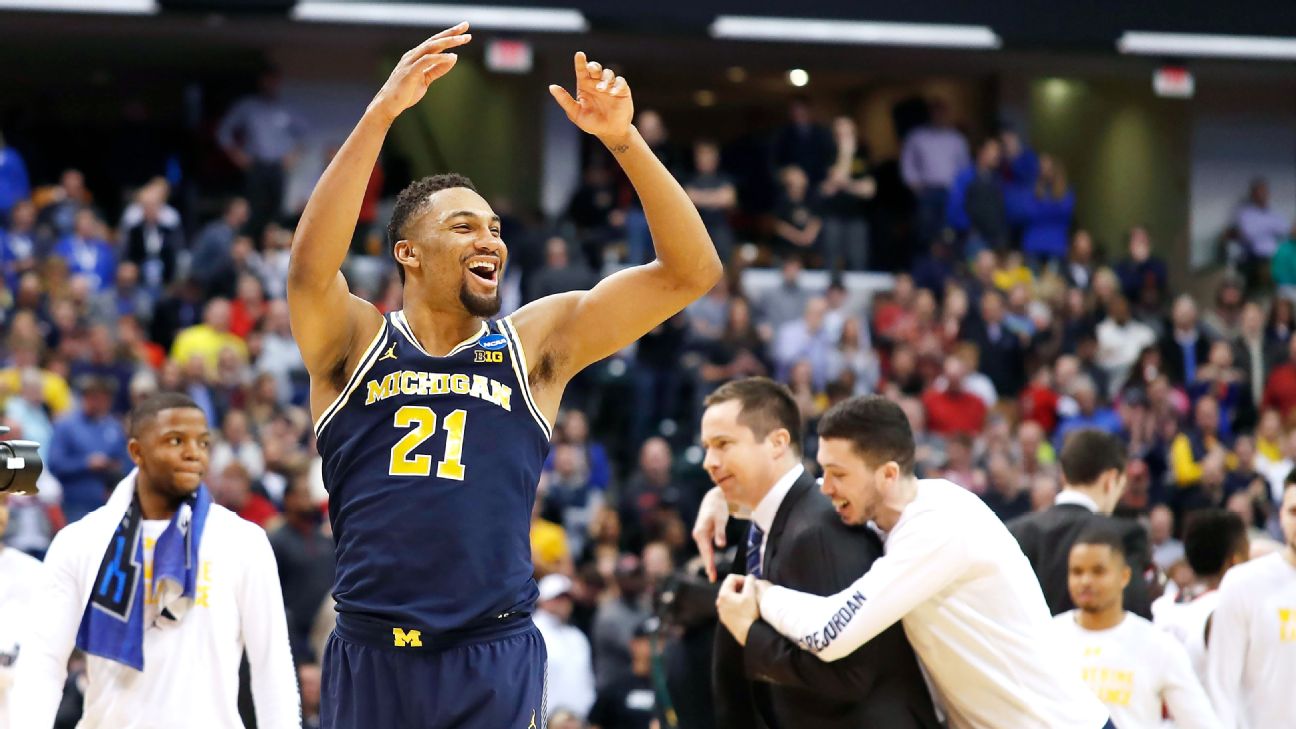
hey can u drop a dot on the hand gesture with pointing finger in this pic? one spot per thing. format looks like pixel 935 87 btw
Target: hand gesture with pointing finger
pixel 602 106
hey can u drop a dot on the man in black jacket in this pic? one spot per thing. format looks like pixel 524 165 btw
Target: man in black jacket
pixel 1093 473
pixel 752 432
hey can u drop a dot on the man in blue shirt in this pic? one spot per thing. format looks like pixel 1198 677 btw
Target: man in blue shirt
pixel 88 450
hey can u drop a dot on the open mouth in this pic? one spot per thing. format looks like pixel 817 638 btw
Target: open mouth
pixel 485 270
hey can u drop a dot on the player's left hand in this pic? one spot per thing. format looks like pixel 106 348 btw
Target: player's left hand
pixel 738 607
pixel 602 106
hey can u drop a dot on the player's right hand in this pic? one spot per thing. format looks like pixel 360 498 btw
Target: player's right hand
pixel 709 530
pixel 418 68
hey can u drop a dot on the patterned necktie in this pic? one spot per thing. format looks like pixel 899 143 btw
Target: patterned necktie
pixel 754 538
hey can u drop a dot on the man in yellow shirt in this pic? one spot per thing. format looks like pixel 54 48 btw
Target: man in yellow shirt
pixel 55 392
pixel 209 339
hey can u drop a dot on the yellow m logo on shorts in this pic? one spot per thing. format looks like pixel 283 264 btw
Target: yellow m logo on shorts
pixel 412 638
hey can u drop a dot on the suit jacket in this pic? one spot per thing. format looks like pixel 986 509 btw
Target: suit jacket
pixel 1172 355
pixel 772 683
pixel 172 243
pixel 1046 538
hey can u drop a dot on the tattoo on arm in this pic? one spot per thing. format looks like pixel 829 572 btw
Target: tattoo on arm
pixel 620 148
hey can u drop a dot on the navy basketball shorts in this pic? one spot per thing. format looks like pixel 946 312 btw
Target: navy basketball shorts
pixel 389 678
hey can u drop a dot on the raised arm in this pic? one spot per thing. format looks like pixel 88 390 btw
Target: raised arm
pixel 580 328
pixel 327 321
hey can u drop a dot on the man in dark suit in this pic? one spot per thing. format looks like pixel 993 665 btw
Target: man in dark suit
pixel 1093 474
pixel 752 432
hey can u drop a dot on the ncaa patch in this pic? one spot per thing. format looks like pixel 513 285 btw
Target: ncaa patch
pixel 493 341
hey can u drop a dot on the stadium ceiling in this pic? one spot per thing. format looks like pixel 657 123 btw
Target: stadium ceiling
pixel 1258 29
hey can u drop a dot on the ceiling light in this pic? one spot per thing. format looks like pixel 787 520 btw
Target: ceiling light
pixel 807 30
pixel 1195 44
pixel 480 17
pixel 798 77
pixel 115 7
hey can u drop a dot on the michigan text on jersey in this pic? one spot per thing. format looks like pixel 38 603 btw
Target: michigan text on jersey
pixel 408 382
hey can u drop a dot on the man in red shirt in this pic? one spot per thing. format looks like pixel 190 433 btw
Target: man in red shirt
pixel 951 409
pixel 1280 390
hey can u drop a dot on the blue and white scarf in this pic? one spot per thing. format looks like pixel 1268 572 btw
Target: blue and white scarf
pixel 113 624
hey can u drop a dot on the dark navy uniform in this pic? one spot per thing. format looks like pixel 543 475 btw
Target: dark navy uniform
pixel 431 465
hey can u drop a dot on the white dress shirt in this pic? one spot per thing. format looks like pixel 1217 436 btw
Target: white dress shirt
pixel 570 668
pixel 767 509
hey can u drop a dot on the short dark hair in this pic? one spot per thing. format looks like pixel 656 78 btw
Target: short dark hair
pixel 411 201
pixel 1102 535
pixel 1088 453
pixel 765 406
pixel 1210 538
pixel 149 407
pixel 876 427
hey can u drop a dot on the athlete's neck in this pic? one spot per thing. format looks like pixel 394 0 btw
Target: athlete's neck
pixel 1290 554
pixel 154 504
pixel 893 504
pixel 1104 619
pixel 437 330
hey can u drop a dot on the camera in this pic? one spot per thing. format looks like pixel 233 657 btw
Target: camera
pixel 687 598
pixel 20 465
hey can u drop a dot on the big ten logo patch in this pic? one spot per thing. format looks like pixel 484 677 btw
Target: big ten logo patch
pixel 1287 625
pixel 202 591
pixel 482 355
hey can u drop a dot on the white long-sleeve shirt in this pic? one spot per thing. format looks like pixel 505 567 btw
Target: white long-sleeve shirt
pixel 971 607
pixel 19 573
pixel 1251 663
pixel 571 671
pixel 1186 623
pixel 190 675
pixel 1132 668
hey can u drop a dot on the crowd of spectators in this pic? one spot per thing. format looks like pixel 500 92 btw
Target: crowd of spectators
pixel 1006 327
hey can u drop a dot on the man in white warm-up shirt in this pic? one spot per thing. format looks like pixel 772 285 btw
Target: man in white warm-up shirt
pixel 190 657
pixel 18 573
pixel 1131 666
pixel 1215 540
pixel 1251 661
pixel 951 573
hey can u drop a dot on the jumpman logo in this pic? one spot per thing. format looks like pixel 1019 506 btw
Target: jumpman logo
pixel 533 724
pixel 391 353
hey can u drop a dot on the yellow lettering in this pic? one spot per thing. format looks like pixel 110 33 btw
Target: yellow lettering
pixel 375 392
pixel 425 383
pixel 408 382
pixel 402 639
pixel 459 384
pixel 202 595
pixel 440 383
pixel 501 395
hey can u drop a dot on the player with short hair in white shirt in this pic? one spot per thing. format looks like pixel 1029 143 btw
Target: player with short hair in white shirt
pixel 1215 540
pixel 951 573
pixel 1131 666
pixel 163 589
pixel 1251 663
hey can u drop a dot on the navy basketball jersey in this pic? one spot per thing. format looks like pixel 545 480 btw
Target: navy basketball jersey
pixel 431 464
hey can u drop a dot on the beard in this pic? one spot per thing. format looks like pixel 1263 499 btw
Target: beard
pixel 483 306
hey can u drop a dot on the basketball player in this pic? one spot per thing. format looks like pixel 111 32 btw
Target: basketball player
pixel 1251 659
pixel 951 573
pixel 433 421
pixel 164 590
pixel 1131 666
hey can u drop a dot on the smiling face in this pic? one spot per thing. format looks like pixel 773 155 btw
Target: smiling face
pixel 854 486
pixel 736 460
pixel 454 245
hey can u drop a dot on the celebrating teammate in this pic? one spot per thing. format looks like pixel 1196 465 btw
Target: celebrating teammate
pixel 951 573
pixel 433 421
